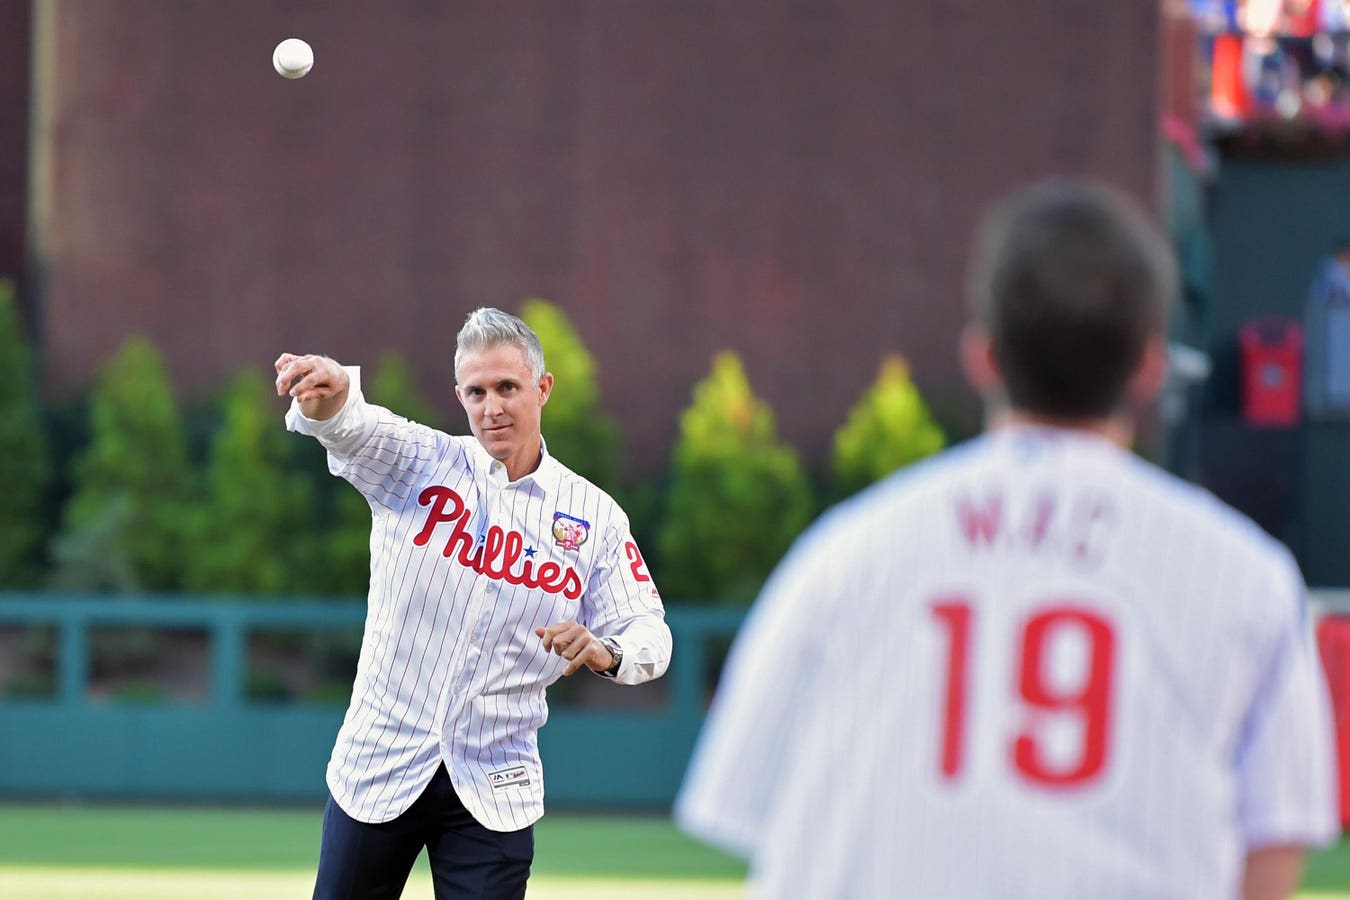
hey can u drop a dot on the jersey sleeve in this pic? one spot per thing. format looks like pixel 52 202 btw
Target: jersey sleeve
pixel 622 603
pixel 740 765
pixel 1286 759
pixel 379 452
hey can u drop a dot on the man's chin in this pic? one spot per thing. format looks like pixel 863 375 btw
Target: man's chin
pixel 497 448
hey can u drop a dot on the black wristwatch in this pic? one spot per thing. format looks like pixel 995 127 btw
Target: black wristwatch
pixel 617 652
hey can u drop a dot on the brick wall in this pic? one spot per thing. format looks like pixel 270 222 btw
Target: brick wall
pixel 14 57
pixel 792 180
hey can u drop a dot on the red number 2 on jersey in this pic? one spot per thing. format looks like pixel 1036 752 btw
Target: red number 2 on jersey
pixel 1089 700
pixel 635 562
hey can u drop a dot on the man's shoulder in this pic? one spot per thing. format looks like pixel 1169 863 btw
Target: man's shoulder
pixel 1255 575
pixel 935 474
pixel 910 494
pixel 1192 507
pixel 581 490
pixel 901 498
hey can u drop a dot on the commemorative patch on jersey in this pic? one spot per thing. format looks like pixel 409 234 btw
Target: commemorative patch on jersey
pixel 502 779
pixel 569 531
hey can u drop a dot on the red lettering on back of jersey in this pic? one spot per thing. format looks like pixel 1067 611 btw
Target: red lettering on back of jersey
pixel 1038 527
pixel 980 524
pixel 1092 520
pixel 1075 528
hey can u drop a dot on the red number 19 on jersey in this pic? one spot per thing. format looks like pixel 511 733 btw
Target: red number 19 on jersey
pixel 1089 700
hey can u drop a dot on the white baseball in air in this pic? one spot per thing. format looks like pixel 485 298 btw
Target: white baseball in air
pixel 292 58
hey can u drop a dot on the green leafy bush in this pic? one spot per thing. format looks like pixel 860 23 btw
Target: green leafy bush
pixel 133 486
pixel 25 467
pixel 578 431
pixel 737 496
pixel 254 533
pixel 889 427
pixel 394 385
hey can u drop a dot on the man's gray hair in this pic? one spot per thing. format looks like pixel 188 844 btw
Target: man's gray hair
pixel 486 328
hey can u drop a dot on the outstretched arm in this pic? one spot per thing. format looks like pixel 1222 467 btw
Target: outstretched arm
pixel 318 384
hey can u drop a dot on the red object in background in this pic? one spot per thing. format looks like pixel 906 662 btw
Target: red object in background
pixel 1333 639
pixel 1228 94
pixel 1272 371
pixel 1303 17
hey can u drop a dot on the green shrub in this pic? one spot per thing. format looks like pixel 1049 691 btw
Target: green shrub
pixel 578 431
pixel 263 686
pixel 31 686
pixel 394 385
pixel 254 531
pixel 25 466
pixel 889 427
pixel 737 497
pixel 124 526
pixel 345 569
pixel 329 693
pixel 94 555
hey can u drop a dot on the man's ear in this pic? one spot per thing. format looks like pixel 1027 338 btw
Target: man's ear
pixel 1150 376
pixel 545 387
pixel 977 361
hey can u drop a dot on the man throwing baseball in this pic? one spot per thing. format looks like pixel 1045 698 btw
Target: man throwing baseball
pixel 494 570
pixel 1037 666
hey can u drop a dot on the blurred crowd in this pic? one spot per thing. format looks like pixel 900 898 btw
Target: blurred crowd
pixel 1276 60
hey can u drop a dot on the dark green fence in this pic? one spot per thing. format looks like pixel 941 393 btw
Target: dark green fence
pixel 610 747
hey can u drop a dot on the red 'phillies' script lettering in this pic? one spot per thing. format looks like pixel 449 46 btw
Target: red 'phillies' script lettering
pixel 500 552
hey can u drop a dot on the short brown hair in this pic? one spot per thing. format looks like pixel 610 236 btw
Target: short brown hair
pixel 1071 279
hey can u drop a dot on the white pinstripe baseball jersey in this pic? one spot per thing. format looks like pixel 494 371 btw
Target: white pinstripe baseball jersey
pixel 464 566
pixel 1035 667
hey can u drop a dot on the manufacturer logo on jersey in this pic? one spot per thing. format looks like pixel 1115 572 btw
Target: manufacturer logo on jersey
pixel 498 554
pixel 569 531
pixel 502 779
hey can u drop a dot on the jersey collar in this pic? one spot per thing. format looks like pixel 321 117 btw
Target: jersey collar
pixel 548 476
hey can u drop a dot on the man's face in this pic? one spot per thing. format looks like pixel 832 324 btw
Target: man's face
pixel 503 403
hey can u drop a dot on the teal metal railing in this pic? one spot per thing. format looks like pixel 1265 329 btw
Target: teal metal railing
pixel 226 746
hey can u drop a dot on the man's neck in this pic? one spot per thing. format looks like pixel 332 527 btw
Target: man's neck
pixel 516 470
pixel 1116 429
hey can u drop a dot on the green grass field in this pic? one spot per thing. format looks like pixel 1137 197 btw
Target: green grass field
pixel 55 852
pixel 59 852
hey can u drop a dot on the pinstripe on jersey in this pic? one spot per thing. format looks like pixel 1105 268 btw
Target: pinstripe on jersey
pixel 464 566
pixel 1034 667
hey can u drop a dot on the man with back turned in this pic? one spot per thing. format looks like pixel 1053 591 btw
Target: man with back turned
pixel 1035 666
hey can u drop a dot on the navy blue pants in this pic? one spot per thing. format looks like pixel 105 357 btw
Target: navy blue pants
pixel 359 861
